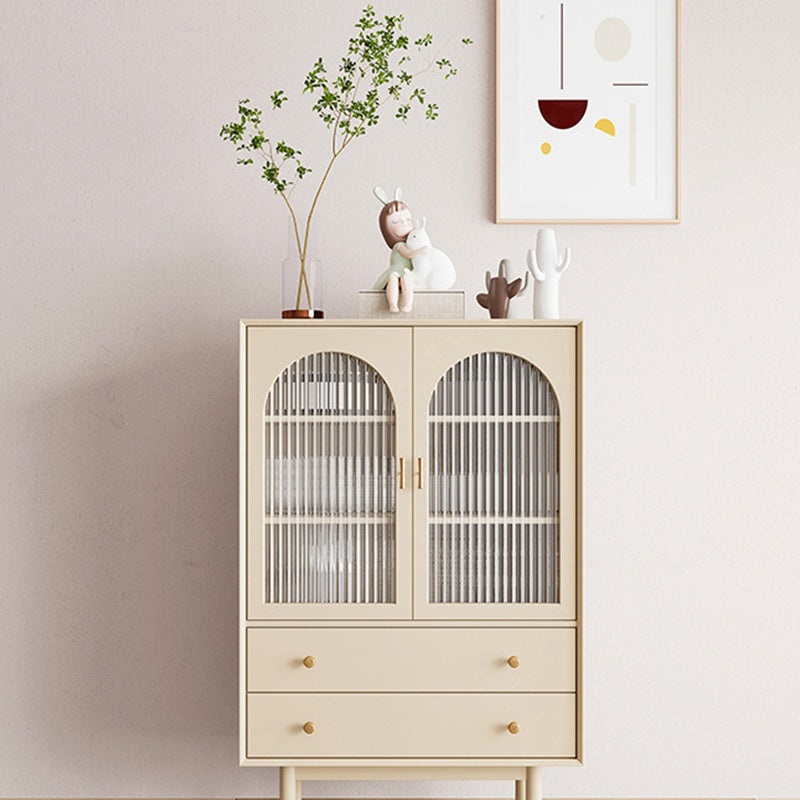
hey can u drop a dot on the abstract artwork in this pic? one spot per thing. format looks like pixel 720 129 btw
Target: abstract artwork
pixel 587 111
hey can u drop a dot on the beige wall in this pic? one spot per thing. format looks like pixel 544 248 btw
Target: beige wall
pixel 130 246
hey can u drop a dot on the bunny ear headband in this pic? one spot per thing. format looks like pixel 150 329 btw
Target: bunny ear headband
pixel 383 197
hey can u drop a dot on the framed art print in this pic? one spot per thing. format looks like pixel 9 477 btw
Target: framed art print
pixel 587 111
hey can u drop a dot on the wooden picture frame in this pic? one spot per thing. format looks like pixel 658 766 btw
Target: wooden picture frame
pixel 587 111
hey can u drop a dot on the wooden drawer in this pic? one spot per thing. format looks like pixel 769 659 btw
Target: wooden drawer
pixel 408 725
pixel 411 660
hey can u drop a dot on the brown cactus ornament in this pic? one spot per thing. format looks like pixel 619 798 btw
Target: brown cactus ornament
pixel 500 291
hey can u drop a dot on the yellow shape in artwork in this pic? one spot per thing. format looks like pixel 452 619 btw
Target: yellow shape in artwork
pixel 607 126
pixel 546 148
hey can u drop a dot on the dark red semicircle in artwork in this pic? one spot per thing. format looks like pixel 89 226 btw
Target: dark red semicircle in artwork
pixel 563 113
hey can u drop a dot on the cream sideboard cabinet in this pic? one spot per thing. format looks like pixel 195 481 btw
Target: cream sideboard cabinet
pixel 410 571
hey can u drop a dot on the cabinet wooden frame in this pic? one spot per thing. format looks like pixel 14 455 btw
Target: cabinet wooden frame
pixel 411 356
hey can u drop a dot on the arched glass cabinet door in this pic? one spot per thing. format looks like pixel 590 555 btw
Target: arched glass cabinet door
pixel 327 534
pixel 329 483
pixel 499 527
pixel 493 525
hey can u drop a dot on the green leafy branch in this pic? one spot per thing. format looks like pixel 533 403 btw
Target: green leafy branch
pixel 375 70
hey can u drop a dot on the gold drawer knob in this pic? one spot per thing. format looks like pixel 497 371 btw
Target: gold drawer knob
pixel 513 662
pixel 513 727
pixel 309 728
pixel 309 662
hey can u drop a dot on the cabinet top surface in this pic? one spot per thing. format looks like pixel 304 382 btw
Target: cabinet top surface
pixel 412 323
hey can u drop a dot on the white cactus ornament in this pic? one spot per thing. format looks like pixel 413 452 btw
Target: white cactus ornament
pixel 547 268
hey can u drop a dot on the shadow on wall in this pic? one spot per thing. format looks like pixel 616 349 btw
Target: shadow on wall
pixel 131 556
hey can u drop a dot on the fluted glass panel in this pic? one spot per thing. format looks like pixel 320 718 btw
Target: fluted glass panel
pixel 329 484
pixel 493 527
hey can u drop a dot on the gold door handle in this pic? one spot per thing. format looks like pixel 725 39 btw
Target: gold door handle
pixel 309 661
pixel 401 469
pixel 420 481
pixel 513 727
pixel 513 662
pixel 309 728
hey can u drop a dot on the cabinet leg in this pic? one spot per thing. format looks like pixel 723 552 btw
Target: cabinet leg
pixel 288 784
pixel 533 783
pixel 519 790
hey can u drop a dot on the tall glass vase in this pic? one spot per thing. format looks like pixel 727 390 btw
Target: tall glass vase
pixel 301 283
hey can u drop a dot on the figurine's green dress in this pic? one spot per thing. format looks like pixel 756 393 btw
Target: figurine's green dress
pixel 398 264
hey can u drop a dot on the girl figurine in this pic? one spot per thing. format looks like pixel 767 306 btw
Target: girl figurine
pixel 396 222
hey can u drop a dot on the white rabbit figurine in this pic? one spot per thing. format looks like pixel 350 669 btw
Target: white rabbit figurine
pixel 433 269
pixel 546 267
